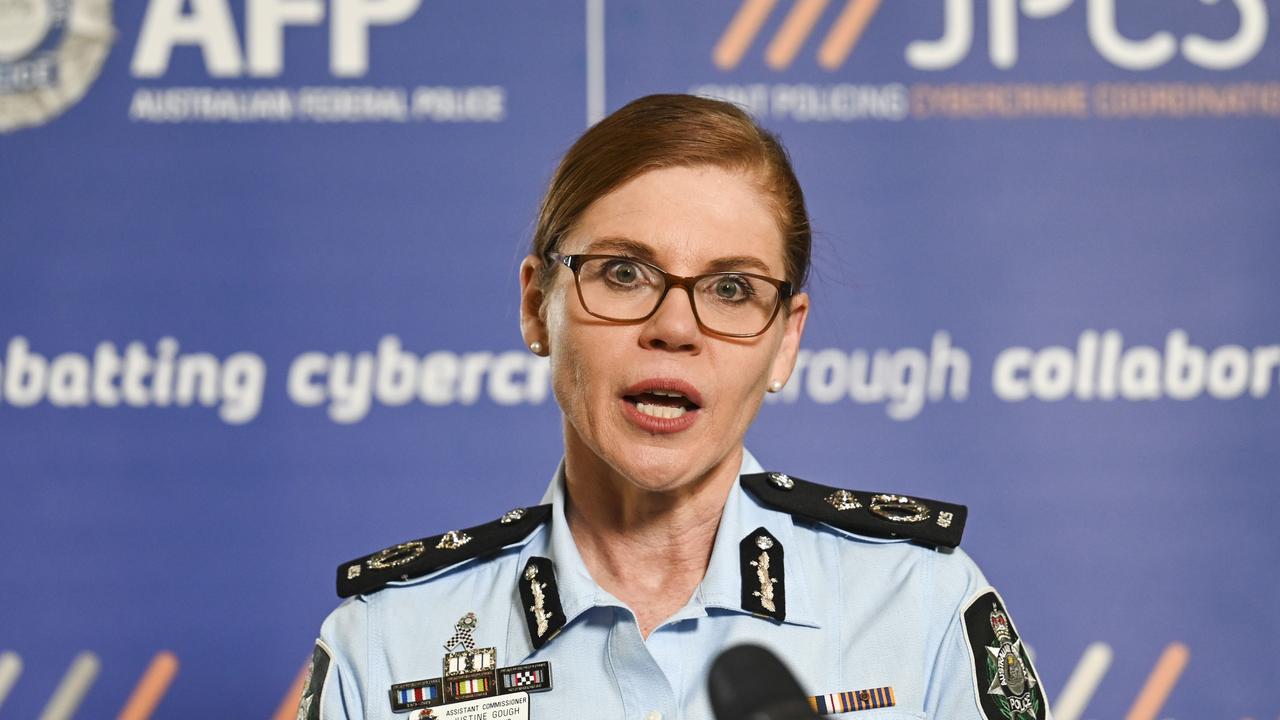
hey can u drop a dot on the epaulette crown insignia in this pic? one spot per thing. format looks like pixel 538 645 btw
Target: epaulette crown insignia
pixel 885 515
pixel 416 558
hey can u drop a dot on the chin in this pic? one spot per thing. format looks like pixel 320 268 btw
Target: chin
pixel 662 467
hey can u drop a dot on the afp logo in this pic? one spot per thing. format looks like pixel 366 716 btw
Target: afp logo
pixel 1004 17
pixel 209 25
pixel 51 51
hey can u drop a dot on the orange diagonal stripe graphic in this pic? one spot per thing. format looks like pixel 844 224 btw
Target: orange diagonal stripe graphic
pixel 845 33
pixel 794 31
pixel 288 709
pixel 1163 677
pixel 151 687
pixel 741 31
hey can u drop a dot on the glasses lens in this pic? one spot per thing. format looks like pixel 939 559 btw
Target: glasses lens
pixel 619 288
pixel 735 304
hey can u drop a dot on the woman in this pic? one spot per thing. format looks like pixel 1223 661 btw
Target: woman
pixel 664 285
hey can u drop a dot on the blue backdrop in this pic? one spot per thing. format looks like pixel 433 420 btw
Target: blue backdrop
pixel 258 312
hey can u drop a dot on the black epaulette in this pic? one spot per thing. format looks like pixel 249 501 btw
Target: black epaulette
pixel 885 515
pixel 416 558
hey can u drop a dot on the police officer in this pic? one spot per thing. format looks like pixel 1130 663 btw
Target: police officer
pixel 665 285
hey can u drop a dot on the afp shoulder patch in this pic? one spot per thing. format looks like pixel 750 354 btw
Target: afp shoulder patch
pixel 1006 683
pixel 313 691
pixel 885 515
pixel 416 558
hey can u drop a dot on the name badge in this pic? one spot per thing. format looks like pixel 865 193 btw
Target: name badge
pixel 513 706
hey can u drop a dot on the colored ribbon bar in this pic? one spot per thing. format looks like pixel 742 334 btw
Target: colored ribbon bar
pixel 852 700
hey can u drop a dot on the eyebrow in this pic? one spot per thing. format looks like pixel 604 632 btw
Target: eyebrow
pixel 622 245
pixel 641 251
pixel 740 262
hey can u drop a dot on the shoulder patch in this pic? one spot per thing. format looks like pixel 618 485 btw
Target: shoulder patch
pixel 416 558
pixel 885 515
pixel 1004 679
pixel 313 691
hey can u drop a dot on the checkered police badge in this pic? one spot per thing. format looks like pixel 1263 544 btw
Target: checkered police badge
pixel 533 677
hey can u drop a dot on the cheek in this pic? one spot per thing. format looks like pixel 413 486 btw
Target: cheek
pixel 558 308
pixel 751 379
pixel 552 315
pixel 754 379
pixel 571 353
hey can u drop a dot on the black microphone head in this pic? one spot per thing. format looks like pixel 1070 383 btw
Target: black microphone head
pixel 747 682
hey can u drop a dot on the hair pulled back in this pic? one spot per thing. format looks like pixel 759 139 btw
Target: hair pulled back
pixel 660 131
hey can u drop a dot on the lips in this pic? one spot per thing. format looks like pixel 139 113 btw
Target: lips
pixel 662 405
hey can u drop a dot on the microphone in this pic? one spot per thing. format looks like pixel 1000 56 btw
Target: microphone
pixel 747 682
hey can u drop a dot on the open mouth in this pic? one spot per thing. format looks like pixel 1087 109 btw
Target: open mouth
pixel 664 404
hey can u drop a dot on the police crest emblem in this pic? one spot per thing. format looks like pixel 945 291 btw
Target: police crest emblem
pixel 313 690
pixel 51 51
pixel 1006 683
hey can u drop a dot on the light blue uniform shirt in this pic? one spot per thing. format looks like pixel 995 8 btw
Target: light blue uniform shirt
pixel 861 613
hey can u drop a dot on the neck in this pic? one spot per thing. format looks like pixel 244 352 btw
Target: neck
pixel 648 547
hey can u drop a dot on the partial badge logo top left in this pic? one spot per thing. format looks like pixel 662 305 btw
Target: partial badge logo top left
pixel 51 51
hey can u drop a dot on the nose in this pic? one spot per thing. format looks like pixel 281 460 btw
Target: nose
pixel 673 326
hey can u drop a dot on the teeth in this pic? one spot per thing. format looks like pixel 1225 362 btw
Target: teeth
pixel 660 411
pixel 667 393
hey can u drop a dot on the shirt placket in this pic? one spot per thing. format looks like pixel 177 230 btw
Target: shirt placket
pixel 646 691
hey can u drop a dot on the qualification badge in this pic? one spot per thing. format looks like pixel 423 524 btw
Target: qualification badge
pixel 469 672
pixel 471 681
pixel 1007 684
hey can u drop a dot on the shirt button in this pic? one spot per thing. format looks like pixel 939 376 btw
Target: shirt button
pixel 653 715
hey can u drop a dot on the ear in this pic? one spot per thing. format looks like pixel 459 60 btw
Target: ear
pixel 532 326
pixel 785 359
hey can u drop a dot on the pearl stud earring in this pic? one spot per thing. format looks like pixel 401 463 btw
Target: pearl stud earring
pixel 535 347
pixel 775 386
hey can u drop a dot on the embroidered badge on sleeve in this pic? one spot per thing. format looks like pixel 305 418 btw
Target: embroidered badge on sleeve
pixel 1006 683
pixel 313 691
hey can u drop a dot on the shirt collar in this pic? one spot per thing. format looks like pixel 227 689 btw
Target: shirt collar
pixel 721 588
pixel 578 591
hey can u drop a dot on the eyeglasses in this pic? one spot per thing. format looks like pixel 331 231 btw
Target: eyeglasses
pixel 626 290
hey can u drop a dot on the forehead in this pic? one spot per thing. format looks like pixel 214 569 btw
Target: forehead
pixel 687 217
